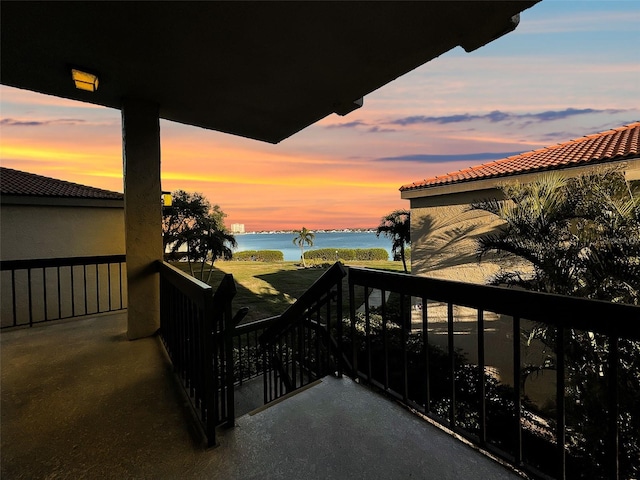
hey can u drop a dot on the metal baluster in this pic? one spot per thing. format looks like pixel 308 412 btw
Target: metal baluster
pixel 481 383
pixel 613 440
pixel 425 340
pixel 120 282
pixel 59 293
pixel 352 314
pixel 452 365
pixel 560 403
pixel 109 283
pixel 30 303
pixel 385 340
pixel 44 291
pixel 517 387
pixel 339 316
pixel 13 297
pixel 367 330
pixel 97 288
pixel 86 308
pixel 73 292
pixel 405 364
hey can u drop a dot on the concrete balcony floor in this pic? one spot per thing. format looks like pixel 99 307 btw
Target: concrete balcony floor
pixel 80 401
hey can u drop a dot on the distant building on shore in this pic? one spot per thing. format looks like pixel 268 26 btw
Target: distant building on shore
pixel 237 228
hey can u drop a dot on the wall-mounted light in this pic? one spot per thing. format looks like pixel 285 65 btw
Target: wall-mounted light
pixel 84 80
pixel 166 199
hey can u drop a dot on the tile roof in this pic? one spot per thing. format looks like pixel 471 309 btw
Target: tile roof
pixel 15 182
pixel 613 145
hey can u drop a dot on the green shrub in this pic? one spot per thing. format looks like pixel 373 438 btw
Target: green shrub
pixel 346 254
pixel 259 256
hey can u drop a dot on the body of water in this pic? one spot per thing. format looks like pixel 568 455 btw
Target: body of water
pixel 291 252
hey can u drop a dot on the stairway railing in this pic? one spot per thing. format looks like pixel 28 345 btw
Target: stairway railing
pixel 296 348
pixel 196 326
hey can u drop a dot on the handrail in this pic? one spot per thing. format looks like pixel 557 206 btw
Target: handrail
pixel 255 325
pixel 193 288
pixel 295 347
pixel 334 274
pixel 60 262
pixel 196 327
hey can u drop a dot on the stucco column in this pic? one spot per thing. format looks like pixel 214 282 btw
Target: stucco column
pixel 143 215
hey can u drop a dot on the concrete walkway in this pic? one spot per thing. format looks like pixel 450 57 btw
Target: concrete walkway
pixel 80 401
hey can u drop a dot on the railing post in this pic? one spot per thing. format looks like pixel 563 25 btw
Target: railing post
pixel 352 315
pixel 481 383
pixel 613 440
pixel 560 403
pixel 452 365
pixel 425 341
pixel 339 330
pixel 517 387
pixel 210 377
pixel 229 327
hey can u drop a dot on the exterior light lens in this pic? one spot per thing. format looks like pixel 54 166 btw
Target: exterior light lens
pixel 84 81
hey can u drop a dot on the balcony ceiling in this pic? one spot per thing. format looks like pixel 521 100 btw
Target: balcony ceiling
pixel 261 70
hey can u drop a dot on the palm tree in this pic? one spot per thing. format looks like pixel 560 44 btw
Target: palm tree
pixel 214 242
pixel 192 222
pixel 581 235
pixel 303 236
pixel 397 227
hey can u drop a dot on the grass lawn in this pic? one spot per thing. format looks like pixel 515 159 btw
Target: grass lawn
pixel 269 288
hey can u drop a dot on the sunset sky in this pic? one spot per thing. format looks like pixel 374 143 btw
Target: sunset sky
pixel 570 69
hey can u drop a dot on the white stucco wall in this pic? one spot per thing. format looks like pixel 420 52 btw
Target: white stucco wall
pixel 39 231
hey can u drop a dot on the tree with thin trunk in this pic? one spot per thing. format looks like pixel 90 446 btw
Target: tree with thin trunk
pixel 194 224
pixel 303 236
pixel 397 227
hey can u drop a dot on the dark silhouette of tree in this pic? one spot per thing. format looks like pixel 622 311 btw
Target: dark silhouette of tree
pixel 302 237
pixel 580 235
pixel 177 220
pixel 397 227
pixel 192 222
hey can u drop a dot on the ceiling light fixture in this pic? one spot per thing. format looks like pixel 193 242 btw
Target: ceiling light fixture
pixel 84 80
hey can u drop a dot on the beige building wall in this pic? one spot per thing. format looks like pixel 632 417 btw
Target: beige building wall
pixel 444 232
pixel 31 230
pixel 40 231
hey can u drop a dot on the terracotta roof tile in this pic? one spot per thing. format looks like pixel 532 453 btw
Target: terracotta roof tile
pixel 616 144
pixel 15 182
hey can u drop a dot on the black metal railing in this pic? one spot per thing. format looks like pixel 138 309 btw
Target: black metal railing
pixel 42 290
pixel 297 347
pixel 248 360
pixel 196 327
pixel 462 355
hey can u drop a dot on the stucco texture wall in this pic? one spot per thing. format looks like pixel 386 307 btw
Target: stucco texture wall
pixel 37 231
pixel 444 233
